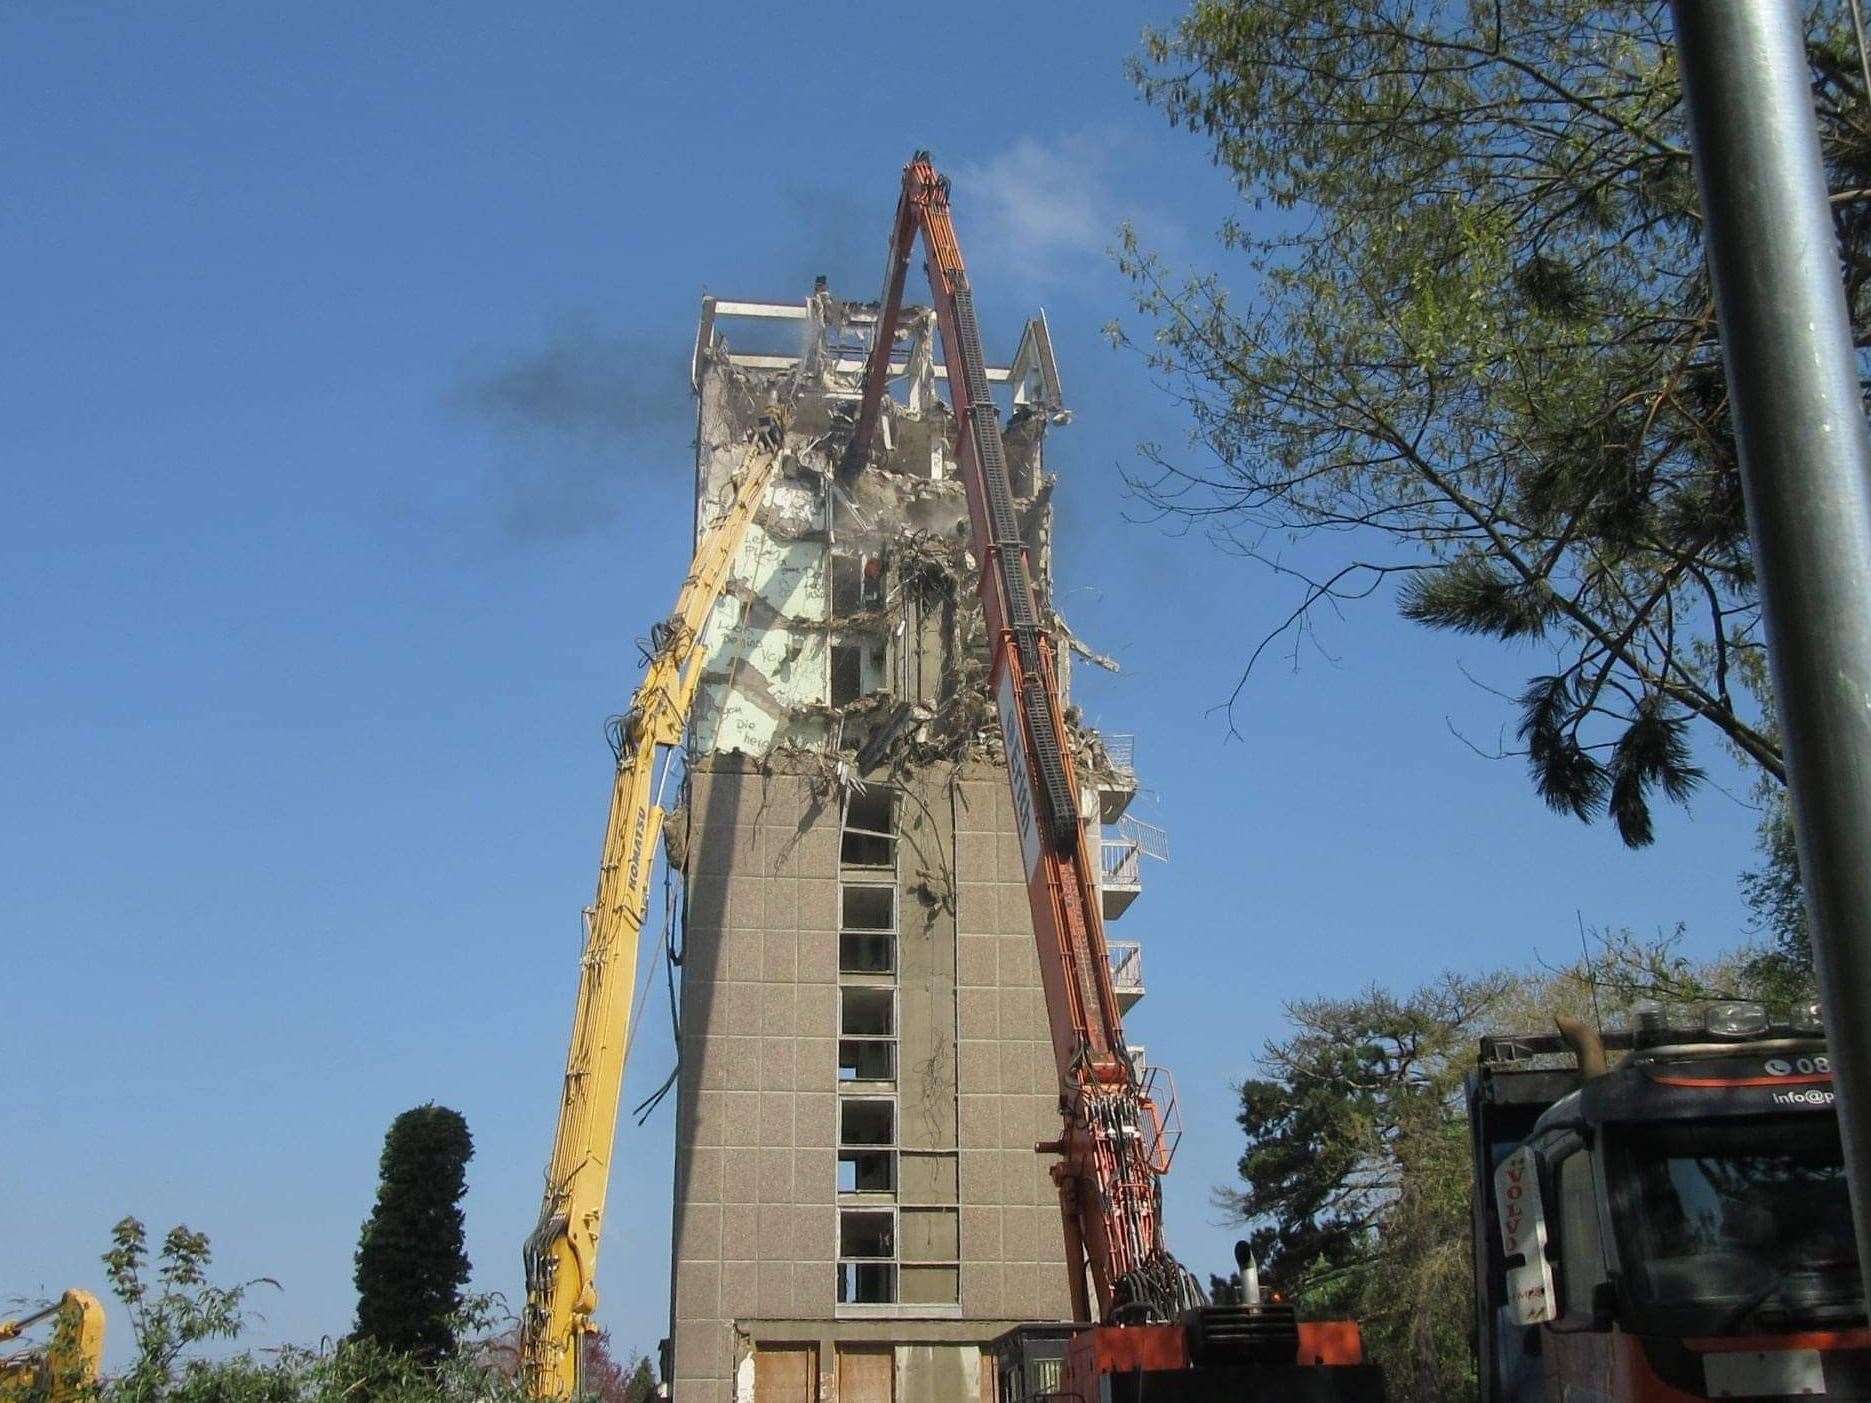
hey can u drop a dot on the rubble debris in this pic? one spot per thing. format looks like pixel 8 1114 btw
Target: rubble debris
pixel 850 642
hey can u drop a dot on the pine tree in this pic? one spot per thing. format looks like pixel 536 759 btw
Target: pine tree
pixel 1473 354
pixel 411 1261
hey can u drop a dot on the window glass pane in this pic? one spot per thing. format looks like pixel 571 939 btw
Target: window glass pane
pixel 1724 1226
pixel 1581 1255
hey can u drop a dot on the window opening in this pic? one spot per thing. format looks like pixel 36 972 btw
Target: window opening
pixel 870 828
pixel 867 1232
pixel 857 584
pixel 867 1059
pixel 869 907
pixel 867 1172
pixel 847 673
pixel 867 1013
pixel 867 1283
pixel 1581 1252
pixel 867 1250
pixel 867 952
pixel 866 1122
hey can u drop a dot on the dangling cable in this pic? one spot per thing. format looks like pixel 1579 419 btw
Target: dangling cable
pixel 666 948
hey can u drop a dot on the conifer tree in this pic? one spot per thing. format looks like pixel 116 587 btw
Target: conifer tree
pixel 411 1261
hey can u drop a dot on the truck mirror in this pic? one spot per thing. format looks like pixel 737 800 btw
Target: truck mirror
pixel 1531 1299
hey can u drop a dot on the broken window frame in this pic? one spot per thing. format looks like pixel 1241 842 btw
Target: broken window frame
pixel 847 657
pixel 886 837
pixel 872 663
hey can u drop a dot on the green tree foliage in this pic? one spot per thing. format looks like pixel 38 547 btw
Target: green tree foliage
pixel 411 1261
pixel 1354 1176
pixel 612 1380
pixel 180 1314
pixel 171 1314
pixel 1355 1179
pixel 1773 892
pixel 1477 352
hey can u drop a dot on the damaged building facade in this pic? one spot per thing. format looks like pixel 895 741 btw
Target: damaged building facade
pixel 864 1066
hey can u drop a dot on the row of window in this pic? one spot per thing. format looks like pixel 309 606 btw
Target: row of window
pixel 867 1020
pixel 891 1252
pixel 867 941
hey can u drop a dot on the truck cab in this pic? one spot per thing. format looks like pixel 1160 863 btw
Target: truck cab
pixel 1673 1225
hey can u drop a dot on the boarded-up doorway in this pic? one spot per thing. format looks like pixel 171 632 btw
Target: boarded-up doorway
pixel 866 1375
pixel 786 1374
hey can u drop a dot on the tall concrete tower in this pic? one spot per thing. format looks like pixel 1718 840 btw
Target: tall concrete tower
pixel 864 1064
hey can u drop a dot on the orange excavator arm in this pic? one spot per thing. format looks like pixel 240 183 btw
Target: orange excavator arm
pixel 1112 1148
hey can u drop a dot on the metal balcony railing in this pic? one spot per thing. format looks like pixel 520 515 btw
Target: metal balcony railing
pixel 1121 748
pixel 1126 968
pixel 1118 862
pixel 1151 841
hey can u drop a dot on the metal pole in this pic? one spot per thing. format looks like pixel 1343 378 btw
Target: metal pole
pixel 1806 474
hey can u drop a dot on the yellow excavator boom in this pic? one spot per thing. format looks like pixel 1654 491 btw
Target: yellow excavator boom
pixel 69 1366
pixel 562 1252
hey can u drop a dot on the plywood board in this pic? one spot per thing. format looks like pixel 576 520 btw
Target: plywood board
pixel 786 1374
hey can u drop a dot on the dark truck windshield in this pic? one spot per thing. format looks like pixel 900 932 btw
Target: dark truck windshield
pixel 1735 1228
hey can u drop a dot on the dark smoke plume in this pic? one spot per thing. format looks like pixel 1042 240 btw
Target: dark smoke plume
pixel 584 418
pixel 836 235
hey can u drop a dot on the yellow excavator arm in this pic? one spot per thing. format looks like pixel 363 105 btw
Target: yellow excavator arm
pixel 71 1363
pixel 562 1251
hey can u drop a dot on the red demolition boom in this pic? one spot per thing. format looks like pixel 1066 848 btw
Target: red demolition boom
pixel 1113 1150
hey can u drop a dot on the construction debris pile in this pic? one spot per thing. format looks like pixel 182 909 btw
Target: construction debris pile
pixel 850 642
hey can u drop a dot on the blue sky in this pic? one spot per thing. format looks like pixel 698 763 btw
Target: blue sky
pixel 311 626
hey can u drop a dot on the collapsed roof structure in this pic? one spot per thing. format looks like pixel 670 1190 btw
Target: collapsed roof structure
pixel 852 633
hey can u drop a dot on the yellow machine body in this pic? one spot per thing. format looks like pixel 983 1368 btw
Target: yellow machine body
pixel 562 1252
pixel 68 1366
